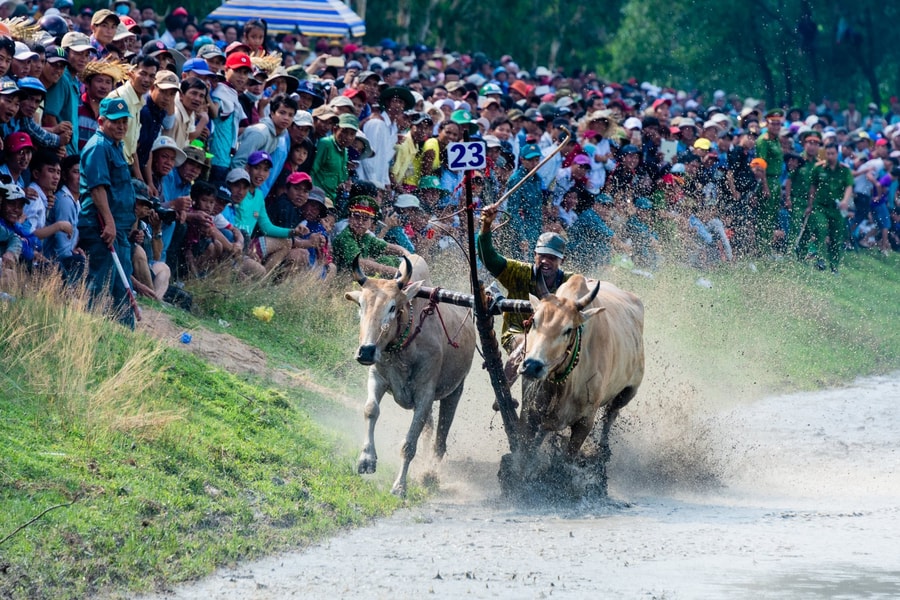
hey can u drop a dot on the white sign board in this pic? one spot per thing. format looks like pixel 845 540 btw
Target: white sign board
pixel 467 156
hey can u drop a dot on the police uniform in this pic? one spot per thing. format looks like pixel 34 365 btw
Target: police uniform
pixel 769 149
pixel 826 220
pixel 103 164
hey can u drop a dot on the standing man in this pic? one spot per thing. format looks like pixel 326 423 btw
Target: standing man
pixel 829 196
pixel 107 206
pixel 140 80
pixel 768 148
pixel 525 204
pixel 796 188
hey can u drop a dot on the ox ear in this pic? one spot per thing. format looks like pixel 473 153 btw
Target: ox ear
pixel 535 301
pixel 353 296
pixel 412 289
pixel 587 314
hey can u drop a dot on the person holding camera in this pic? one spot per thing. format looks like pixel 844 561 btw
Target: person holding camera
pixel 151 275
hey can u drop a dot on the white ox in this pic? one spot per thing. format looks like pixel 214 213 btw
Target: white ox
pixel 584 351
pixel 417 369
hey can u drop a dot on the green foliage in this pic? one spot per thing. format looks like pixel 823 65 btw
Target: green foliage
pixel 234 471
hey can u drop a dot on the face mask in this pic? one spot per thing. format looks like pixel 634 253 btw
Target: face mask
pixel 254 97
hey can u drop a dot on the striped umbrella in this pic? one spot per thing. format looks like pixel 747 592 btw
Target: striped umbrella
pixel 309 17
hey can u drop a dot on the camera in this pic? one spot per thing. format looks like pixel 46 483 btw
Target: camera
pixel 166 215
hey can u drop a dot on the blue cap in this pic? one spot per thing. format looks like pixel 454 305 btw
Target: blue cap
pixel 629 149
pixel 198 66
pixel 643 203
pixel 258 157
pixel 530 151
pixel 31 84
pixel 113 108
pixel 603 198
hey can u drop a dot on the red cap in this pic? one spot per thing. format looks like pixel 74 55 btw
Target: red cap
pixel 18 140
pixel 238 60
pixel 236 46
pixel 180 11
pixel 299 177
pixel 351 49
pixel 660 101
pixel 353 93
pixel 881 142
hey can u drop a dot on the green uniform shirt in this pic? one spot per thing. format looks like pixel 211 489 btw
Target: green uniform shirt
pixel 770 151
pixel 330 166
pixel 830 184
pixel 801 179
pixel 346 246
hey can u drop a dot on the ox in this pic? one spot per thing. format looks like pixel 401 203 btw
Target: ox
pixel 584 351
pixel 415 364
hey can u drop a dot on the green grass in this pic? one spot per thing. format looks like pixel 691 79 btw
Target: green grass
pixel 175 467
pixel 195 468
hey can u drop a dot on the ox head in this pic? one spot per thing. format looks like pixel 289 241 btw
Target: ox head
pixel 553 327
pixel 383 309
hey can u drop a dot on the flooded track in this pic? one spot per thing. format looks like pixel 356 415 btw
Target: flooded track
pixel 791 497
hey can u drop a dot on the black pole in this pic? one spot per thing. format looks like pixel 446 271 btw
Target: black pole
pixel 493 361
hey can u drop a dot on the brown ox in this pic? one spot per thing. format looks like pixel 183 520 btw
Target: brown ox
pixel 416 368
pixel 584 351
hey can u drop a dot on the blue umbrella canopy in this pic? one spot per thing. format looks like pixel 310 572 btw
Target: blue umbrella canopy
pixel 309 17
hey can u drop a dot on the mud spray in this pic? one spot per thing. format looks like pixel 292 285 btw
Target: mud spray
pixel 670 437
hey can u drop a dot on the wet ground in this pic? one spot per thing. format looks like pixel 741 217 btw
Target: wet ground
pixel 789 497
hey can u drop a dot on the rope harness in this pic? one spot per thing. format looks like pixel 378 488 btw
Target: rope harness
pixel 403 341
pixel 573 352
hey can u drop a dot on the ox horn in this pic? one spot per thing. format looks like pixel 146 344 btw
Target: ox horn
pixel 404 274
pixel 541 286
pixel 588 298
pixel 358 274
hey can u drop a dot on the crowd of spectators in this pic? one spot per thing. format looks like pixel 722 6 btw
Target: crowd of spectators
pixel 182 145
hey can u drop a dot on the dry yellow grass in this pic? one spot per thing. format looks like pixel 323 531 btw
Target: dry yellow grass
pixel 59 352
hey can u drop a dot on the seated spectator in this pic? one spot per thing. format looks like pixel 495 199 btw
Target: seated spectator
pixel 17 153
pixel 288 207
pixel 45 174
pixel 151 275
pixel 31 96
pixel 357 239
pixel 63 247
pixel 29 246
pixel 644 241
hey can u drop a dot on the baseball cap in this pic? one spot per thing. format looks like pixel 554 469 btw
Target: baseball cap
pixel 759 162
pixel 317 194
pixel 23 52
pixel 299 177
pixel 633 123
pixel 237 174
pixel 702 144
pixel 581 159
pixel 16 141
pixel 56 54
pixel 238 60
pixel 223 194
pixel 31 84
pixel 210 51
pixel 197 66
pixel 238 47
pixel 407 201
pixel 166 142
pixel 113 109
pixel 416 118
pixel 102 15
pixel 166 80
pixel 491 141
pixel 8 88
pixel 259 156
pixel 552 244
pixel 530 151
pixel 11 191
pixel 302 118
pixel 76 41
pixel 154 48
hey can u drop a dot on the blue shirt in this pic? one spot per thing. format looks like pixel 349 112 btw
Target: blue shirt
pixel 589 239
pixel 103 164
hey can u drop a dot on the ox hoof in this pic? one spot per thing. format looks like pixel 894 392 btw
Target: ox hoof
pixel 399 490
pixel 366 465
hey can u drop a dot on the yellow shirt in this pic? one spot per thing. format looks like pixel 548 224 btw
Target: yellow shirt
pixel 135 104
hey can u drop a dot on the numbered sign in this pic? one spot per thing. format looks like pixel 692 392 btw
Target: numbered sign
pixel 467 156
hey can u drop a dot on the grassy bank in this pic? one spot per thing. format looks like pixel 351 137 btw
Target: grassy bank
pixel 161 467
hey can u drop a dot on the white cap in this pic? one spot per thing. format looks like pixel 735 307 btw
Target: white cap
pixel 237 175
pixel 491 141
pixel 407 201
pixel 165 141
pixel 302 118
pixel 23 52
pixel 633 123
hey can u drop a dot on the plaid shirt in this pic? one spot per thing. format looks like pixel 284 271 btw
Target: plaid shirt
pixel 87 121
pixel 39 136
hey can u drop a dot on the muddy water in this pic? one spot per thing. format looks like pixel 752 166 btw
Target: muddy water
pixel 791 497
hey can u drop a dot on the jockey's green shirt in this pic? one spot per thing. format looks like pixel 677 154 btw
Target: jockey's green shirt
pixel 518 279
